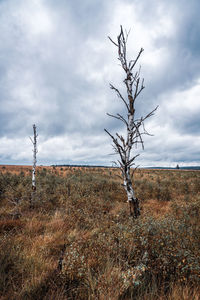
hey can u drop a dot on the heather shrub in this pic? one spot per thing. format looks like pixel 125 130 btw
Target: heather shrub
pixel 2 188
pixel 163 250
pixel 196 185
pixel 172 254
pixel 148 189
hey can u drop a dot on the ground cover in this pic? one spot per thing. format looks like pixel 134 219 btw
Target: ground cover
pixel 79 242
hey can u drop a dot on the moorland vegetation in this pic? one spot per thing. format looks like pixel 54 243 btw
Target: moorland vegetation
pixel 78 241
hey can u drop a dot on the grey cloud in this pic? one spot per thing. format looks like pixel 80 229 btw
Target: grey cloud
pixel 56 75
pixel 183 64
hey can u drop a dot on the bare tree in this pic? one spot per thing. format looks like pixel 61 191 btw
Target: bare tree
pixel 34 142
pixel 134 127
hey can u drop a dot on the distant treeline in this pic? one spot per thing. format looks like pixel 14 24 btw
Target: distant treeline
pixel 160 168
pixel 81 166
pixel 175 168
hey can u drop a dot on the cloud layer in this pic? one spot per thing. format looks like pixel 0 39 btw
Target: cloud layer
pixel 56 64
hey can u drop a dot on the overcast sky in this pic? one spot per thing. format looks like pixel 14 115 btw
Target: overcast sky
pixel 56 64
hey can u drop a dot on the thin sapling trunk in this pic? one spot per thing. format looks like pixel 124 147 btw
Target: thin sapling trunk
pixel 34 142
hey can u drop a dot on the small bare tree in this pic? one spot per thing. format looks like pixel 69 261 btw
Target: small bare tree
pixel 134 127
pixel 34 142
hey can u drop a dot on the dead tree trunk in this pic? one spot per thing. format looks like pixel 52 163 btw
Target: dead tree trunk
pixel 34 142
pixel 123 145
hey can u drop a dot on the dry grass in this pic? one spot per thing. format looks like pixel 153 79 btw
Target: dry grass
pixel 82 244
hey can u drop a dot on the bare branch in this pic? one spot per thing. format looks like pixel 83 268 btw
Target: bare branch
pixel 113 41
pixel 109 134
pixel 120 150
pixel 140 137
pixel 127 35
pixel 132 159
pixel 134 171
pixel 121 164
pixel 150 114
pixel 119 95
pixel 136 89
pixel 141 88
pixel 135 61
pixel 113 116
pixel 114 162
pixel 122 119
pixel 119 176
pixel 121 139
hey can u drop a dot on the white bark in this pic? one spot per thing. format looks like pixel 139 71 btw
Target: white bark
pixel 134 135
pixel 34 142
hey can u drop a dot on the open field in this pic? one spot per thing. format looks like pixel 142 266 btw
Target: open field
pixel 79 242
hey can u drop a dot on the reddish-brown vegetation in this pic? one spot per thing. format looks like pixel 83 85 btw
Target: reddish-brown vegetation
pixel 78 242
